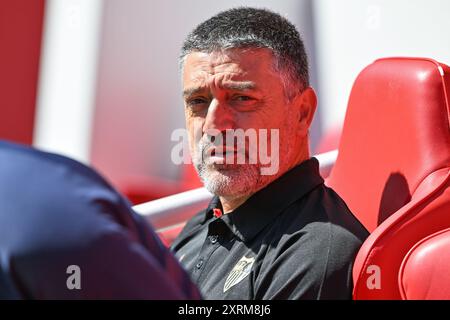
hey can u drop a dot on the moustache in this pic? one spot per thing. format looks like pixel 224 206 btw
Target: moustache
pixel 211 152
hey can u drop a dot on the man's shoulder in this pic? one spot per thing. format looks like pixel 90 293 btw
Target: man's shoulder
pixel 317 247
pixel 319 240
pixel 331 240
pixel 314 248
pixel 323 211
pixel 319 223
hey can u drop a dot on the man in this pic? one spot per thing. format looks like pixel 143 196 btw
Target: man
pixel 65 233
pixel 283 235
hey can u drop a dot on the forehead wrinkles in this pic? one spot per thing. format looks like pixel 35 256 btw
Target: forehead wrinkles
pixel 217 72
pixel 216 69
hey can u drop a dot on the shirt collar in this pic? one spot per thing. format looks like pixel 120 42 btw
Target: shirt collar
pixel 262 207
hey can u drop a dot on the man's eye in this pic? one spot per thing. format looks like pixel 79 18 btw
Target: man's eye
pixel 243 98
pixel 196 101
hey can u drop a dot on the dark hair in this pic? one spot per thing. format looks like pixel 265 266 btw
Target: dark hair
pixel 253 28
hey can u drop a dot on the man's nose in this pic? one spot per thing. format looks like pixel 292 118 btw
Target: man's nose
pixel 219 117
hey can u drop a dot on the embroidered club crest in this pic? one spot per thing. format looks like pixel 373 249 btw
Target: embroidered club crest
pixel 239 272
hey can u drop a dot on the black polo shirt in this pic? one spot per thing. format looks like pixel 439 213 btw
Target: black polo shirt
pixel 293 239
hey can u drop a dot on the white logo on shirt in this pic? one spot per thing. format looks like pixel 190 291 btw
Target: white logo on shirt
pixel 239 272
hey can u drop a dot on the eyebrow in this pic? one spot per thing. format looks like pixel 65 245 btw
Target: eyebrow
pixel 238 86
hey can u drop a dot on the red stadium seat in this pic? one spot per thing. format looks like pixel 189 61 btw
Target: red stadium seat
pixel 393 165
pixel 424 272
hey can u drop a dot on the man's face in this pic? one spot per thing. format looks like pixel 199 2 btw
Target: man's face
pixel 236 89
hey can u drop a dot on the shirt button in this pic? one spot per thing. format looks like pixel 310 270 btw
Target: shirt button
pixel 213 239
pixel 199 263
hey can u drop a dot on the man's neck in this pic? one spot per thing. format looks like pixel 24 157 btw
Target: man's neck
pixel 230 204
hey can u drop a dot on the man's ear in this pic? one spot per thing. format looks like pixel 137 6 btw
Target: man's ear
pixel 306 103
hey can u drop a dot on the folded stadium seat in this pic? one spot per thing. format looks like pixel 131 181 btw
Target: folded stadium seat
pixel 393 165
pixel 424 271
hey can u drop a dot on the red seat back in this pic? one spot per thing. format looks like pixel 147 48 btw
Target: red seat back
pixel 396 133
pixel 424 273
pixel 393 163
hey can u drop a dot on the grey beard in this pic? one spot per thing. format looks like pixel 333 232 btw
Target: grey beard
pixel 234 181
pixel 227 180
pixel 237 180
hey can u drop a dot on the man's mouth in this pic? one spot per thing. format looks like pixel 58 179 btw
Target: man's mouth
pixel 219 155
